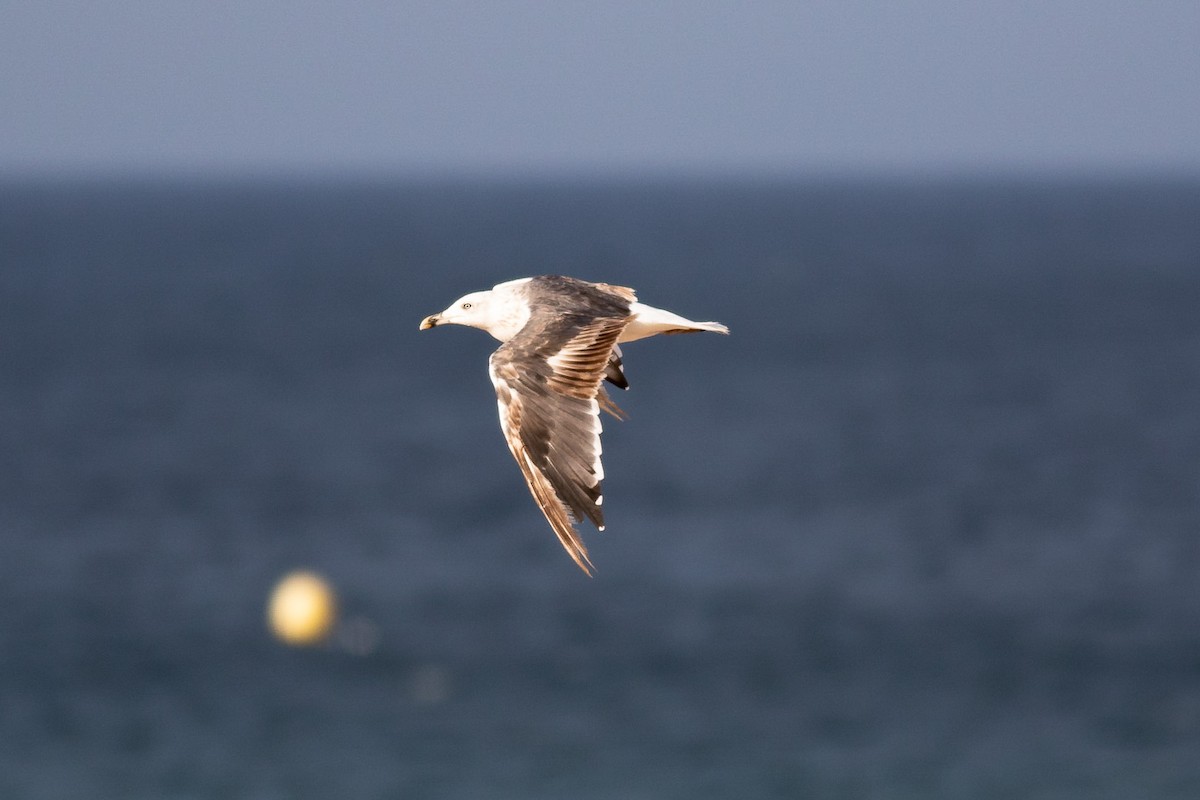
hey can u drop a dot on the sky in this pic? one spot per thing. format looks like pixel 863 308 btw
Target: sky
pixel 279 86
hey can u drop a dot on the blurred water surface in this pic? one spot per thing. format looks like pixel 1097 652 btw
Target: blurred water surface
pixel 926 525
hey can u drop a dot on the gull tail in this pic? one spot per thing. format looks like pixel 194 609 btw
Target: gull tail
pixel 647 320
pixel 697 327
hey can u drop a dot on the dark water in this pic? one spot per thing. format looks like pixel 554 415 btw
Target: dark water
pixel 927 525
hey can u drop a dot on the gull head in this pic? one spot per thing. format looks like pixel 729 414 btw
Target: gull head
pixel 498 311
pixel 472 309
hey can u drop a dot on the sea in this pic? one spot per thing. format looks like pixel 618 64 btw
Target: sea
pixel 926 524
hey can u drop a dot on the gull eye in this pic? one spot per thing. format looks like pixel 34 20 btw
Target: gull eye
pixel 465 306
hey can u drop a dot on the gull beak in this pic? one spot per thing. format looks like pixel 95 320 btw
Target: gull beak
pixel 430 321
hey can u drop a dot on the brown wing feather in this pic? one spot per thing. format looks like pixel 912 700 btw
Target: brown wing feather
pixel 547 381
pixel 623 291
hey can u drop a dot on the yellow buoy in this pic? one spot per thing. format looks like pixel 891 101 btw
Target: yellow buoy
pixel 302 608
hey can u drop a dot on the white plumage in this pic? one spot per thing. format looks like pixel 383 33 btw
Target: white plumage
pixel 559 344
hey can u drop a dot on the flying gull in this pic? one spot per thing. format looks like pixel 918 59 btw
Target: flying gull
pixel 561 340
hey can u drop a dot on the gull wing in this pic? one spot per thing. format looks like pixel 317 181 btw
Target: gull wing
pixel 548 391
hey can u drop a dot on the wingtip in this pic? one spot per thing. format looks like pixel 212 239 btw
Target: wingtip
pixel 606 403
pixel 584 563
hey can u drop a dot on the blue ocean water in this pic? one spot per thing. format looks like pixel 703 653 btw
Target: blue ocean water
pixel 926 525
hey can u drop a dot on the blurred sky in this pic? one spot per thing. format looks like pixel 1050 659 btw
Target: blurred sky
pixel 390 85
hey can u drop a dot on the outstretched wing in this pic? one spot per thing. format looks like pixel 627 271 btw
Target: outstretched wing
pixel 547 381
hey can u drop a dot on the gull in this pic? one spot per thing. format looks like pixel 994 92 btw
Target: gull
pixel 561 340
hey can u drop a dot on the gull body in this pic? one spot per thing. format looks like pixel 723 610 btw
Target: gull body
pixel 495 311
pixel 560 341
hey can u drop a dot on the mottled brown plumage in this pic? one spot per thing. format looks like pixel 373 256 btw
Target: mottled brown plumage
pixel 560 344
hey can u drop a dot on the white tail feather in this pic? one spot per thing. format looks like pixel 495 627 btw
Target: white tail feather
pixel 650 321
